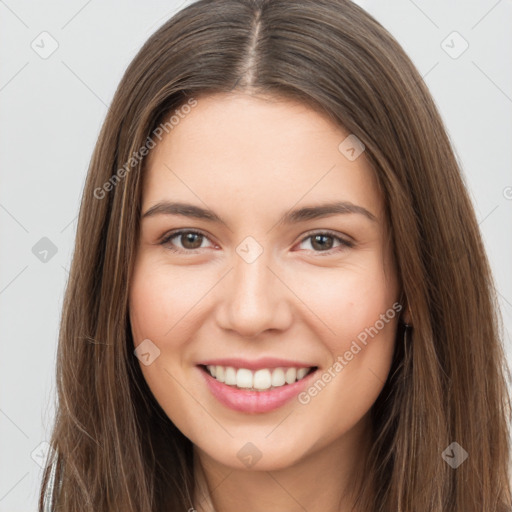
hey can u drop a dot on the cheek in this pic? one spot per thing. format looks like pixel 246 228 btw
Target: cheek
pixel 349 299
pixel 160 311
pixel 162 301
pixel 356 309
pixel 362 313
pixel 156 306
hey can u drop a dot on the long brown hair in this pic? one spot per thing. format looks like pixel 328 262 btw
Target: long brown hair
pixel 115 448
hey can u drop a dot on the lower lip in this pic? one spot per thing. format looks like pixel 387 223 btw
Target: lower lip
pixel 252 402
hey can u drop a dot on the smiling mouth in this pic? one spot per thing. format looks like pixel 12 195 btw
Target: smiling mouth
pixel 265 379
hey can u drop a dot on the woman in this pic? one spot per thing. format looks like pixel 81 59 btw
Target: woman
pixel 279 297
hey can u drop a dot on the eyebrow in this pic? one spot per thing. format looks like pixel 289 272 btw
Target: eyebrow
pixel 290 217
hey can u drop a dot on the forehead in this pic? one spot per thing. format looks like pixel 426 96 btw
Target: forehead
pixel 236 149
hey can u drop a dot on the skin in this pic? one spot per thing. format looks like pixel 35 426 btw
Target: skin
pixel 250 159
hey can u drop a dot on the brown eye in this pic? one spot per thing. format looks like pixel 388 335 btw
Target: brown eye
pixel 323 242
pixel 191 240
pixel 187 240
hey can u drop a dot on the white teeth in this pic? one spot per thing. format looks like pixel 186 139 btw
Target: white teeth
pixel 219 373
pixel 230 376
pixel 290 376
pixel 301 373
pixel 258 380
pixel 262 379
pixel 244 378
pixel 278 377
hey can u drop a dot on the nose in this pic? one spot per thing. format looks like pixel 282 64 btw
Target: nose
pixel 254 299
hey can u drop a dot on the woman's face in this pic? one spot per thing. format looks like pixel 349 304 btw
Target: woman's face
pixel 265 278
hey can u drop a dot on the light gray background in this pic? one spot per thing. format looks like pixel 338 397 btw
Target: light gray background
pixel 51 113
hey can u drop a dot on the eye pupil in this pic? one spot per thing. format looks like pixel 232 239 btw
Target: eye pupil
pixel 322 246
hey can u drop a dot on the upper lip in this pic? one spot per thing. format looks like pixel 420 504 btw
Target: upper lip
pixel 256 364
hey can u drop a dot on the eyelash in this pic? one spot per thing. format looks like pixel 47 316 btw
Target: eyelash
pixel 344 244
